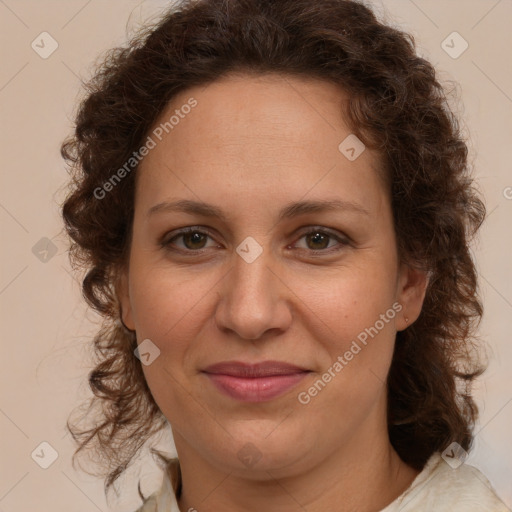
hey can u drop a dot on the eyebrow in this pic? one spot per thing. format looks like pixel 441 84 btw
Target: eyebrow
pixel 289 211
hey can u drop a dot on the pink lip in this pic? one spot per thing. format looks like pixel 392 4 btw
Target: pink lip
pixel 254 382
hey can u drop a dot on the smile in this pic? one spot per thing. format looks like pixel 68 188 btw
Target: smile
pixel 255 382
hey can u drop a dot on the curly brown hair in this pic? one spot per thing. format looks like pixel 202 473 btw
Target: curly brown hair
pixel 397 106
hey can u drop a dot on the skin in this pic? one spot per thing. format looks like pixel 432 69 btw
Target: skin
pixel 250 146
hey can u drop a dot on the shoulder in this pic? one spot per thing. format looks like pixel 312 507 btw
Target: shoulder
pixel 165 499
pixel 149 504
pixel 442 488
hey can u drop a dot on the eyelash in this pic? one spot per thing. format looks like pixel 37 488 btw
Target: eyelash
pixel 166 242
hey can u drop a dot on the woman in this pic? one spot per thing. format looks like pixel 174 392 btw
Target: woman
pixel 274 209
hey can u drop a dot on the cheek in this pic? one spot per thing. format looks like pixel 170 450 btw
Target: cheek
pixel 170 310
pixel 356 353
pixel 351 315
pixel 171 305
pixel 348 301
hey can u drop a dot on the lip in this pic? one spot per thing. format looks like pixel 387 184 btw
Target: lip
pixel 258 382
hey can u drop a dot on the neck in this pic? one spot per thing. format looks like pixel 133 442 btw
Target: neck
pixel 339 482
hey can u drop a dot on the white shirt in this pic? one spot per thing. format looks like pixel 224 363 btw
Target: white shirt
pixel 438 488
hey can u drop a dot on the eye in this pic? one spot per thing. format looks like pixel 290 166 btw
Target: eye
pixel 317 241
pixel 193 240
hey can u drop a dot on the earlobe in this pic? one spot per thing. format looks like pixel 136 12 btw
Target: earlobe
pixel 122 318
pixel 123 297
pixel 413 285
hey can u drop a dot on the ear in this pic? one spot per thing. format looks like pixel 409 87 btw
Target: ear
pixel 123 296
pixel 412 286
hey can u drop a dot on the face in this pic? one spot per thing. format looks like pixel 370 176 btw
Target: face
pixel 259 278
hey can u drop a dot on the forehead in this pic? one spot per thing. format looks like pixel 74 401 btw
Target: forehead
pixel 255 135
pixel 253 107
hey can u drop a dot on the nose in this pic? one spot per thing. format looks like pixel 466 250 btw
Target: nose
pixel 253 300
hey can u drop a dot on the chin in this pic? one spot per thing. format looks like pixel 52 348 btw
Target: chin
pixel 260 455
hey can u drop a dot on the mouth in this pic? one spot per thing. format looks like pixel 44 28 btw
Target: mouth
pixel 258 382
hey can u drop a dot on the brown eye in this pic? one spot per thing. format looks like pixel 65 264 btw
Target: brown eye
pixel 318 240
pixel 192 240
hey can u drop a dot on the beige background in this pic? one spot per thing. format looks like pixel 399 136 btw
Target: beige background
pixel 45 326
